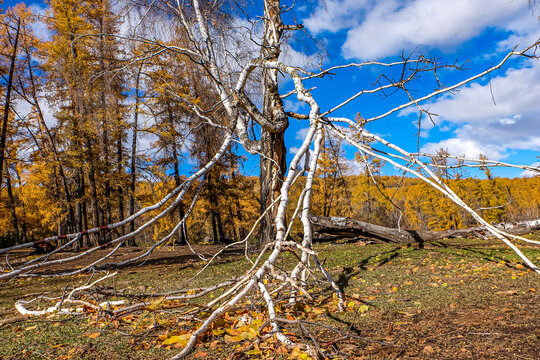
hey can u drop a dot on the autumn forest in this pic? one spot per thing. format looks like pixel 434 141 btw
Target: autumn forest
pixel 80 158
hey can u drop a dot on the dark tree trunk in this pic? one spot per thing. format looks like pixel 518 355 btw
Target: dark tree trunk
pixel 106 124
pixel 133 165
pixel 231 221
pixel 78 104
pixel 24 236
pixel 240 230
pixel 94 204
pixel 273 164
pixel 217 229
pixel 12 208
pixel 81 208
pixel 222 237
pixel 51 144
pixel 119 189
pixel 214 228
pixel 7 104
pixel 182 236
pixel 106 217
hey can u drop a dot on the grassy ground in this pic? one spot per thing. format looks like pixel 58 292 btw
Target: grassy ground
pixel 454 299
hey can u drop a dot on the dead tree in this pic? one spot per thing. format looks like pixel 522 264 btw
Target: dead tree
pixel 343 227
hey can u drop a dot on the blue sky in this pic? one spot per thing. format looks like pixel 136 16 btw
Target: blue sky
pixel 499 119
pixel 478 33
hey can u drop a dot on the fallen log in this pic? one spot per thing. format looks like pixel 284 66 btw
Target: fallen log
pixel 12 320
pixel 344 227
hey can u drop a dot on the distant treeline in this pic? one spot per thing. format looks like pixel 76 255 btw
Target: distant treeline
pixel 415 205
pixel 226 212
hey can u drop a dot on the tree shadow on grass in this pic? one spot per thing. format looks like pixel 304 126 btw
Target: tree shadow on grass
pixel 380 259
pixel 352 328
pixel 184 261
pixel 468 252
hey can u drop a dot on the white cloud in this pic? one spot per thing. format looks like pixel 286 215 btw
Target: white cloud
pixel 384 28
pixel 293 105
pixel 510 121
pixel 145 142
pixel 492 128
pixel 424 133
pixel 468 147
pixel 38 26
pixel 24 109
pixel 301 134
pixel 150 25
pixel 525 30
pixel 444 128
pixel 516 92
pixel 290 56
pixel 354 167
pixel 335 15
pixel 529 173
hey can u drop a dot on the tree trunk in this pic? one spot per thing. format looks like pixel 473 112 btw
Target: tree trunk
pixel 52 146
pixel 93 189
pixel 119 189
pixel 342 227
pixel 81 207
pixel 24 231
pixel 182 236
pixel 240 230
pixel 7 104
pixel 273 163
pixel 12 208
pixel 217 229
pixel 133 166
pixel 221 233
pixel 106 123
pixel 214 228
pixel 106 217
pixel 271 179
pixel 233 224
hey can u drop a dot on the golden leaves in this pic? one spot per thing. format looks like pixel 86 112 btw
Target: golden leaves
pixel 93 335
pixel 363 308
pixel 296 353
pixel 246 331
pixel 178 340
